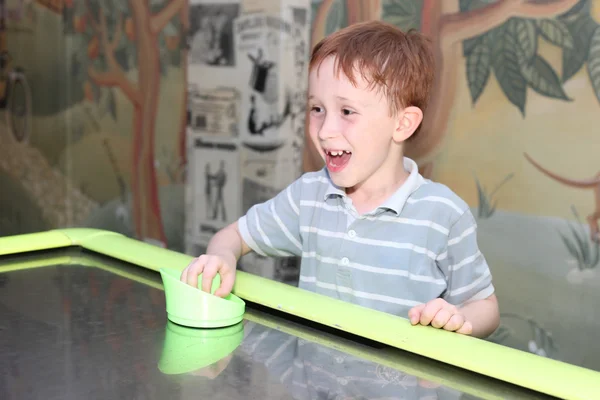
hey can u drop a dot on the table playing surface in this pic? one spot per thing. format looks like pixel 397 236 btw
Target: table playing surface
pixel 82 315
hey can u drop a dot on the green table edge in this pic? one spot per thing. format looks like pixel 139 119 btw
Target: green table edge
pixel 518 367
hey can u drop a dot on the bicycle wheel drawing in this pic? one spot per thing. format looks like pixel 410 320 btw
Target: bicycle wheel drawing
pixel 18 110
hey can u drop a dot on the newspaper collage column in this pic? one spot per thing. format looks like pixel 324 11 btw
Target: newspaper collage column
pixel 247 82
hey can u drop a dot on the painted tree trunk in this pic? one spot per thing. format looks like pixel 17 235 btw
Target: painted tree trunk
pixel 146 204
pixel 184 17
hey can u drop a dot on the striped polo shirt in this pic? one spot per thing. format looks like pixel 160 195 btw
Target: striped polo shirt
pixel 418 245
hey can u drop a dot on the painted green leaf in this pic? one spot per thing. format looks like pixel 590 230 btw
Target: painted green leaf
pixel 593 64
pixel 479 64
pixel 333 19
pixel 404 22
pixel 525 38
pixel 464 5
pixel 573 59
pixel 170 29
pixel 505 64
pixel 470 44
pixel 541 77
pixel 556 32
pixel 404 7
pixel 581 7
pixel 405 14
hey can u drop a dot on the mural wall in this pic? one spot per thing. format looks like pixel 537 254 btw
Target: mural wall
pixel 101 138
pixel 103 103
pixel 511 130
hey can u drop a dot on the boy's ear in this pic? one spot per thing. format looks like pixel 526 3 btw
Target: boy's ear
pixel 409 120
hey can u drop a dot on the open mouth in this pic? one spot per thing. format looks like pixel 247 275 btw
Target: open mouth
pixel 337 159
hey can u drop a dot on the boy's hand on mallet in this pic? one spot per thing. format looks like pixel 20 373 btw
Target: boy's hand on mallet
pixel 441 315
pixel 209 266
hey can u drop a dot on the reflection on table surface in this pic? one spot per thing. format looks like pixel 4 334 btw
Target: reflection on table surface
pixel 74 331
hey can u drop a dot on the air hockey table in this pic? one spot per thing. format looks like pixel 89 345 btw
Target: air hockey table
pixel 82 316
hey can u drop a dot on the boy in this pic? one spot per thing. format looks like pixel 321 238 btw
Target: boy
pixel 369 228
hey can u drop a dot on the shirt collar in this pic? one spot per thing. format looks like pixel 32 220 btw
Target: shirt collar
pixel 395 202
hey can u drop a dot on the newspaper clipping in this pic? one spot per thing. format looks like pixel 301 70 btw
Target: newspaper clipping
pixel 247 76
pixel 216 187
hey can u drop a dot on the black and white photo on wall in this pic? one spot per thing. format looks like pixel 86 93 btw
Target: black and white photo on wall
pixel 268 92
pixel 214 112
pixel 217 185
pixel 255 192
pixel 263 84
pixel 211 40
pixel 300 16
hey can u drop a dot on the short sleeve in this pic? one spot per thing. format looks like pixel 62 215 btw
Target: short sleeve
pixel 272 228
pixel 467 271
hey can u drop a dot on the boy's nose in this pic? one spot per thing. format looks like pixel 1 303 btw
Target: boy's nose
pixel 329 129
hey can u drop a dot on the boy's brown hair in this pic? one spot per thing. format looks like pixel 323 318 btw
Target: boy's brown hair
pixel 400 63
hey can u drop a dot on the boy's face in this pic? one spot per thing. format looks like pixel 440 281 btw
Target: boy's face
pixel 353 130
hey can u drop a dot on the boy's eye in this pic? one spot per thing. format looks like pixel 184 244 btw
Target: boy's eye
pixel 345 111
pixel 316 109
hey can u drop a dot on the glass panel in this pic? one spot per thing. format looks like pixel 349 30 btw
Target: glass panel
pixel 76 331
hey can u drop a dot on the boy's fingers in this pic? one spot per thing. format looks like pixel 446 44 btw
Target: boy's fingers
pixel 184 273
pixel 442 317
pixel 429 312
pixel 183 277
pixel 455 323
pixel 466 329
pixel 194 270
pixel 414 314
pixel 210 271
pixel 227 280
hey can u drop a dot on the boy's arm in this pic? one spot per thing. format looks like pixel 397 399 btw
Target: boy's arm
pixel 470 285
pixel 224 249
pixel 486 314
pixel 271 229
pixel 228 244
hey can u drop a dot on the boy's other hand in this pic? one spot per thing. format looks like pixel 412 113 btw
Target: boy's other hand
pixel 209 266
pixel 440 314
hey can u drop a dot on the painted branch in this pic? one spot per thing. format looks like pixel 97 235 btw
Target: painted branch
pixel 430 15
pixel 363 10
pixel 374 9
pixel 162 18
pixel 460 26
pixel 447 31
pixel 352 11
pixel 319 22
pixel 184 16
pixel 577 183
pixel 115 78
